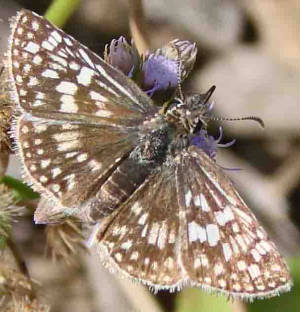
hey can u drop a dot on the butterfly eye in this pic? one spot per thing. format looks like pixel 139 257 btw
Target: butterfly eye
pixel 193 101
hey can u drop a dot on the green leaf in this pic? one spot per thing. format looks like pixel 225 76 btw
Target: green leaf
pixel 22 191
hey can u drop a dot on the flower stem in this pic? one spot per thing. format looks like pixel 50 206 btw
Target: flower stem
pixel 60 10
pixel 137 26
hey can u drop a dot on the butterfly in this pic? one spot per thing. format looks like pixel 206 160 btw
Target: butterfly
pixel 97 146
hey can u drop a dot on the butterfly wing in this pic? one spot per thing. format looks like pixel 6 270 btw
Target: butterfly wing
pixel 227 249
pixel 142 241
pixel 188 225
pixel 79 116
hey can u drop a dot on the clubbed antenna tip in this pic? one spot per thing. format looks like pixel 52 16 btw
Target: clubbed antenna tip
pixel 257 119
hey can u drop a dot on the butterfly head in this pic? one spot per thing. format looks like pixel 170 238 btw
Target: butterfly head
pixel 190 116
pixel 190 113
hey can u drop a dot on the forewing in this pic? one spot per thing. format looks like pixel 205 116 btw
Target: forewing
pixel 225 247
pixel 79 116
pixel 56 77
pixel 142 241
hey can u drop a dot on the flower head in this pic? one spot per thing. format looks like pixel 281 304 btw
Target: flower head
pixel 160 68
pixel 205 142
pixel 156 73
pixel 65 240
pixel 183 51
pixel 160 73
pixel 208 143
pixel 122 56
pixel 8 210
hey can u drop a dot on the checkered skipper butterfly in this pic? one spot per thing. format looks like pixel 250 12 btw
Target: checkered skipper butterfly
pixel 98 147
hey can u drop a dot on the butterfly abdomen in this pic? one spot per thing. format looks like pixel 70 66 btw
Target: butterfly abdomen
pixel 131 173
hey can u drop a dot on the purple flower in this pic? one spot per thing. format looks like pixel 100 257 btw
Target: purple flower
pixel 122 56
pixel 183 50
pixel 156 73
pixel 205 142
pixel 208 143
pixel 160 73
pixel 160 69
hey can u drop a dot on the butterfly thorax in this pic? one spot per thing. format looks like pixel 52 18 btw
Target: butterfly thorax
pixel 153 146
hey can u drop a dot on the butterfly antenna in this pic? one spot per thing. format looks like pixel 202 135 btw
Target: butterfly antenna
pixel 257 119
pixel 179 62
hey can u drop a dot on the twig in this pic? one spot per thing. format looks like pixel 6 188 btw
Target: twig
pixel 106 286
pixel 139 296
pixel 138 26
pixel 238 306
pixel 287 176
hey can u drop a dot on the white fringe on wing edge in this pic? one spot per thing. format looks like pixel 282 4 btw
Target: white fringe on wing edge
pixel 108 262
